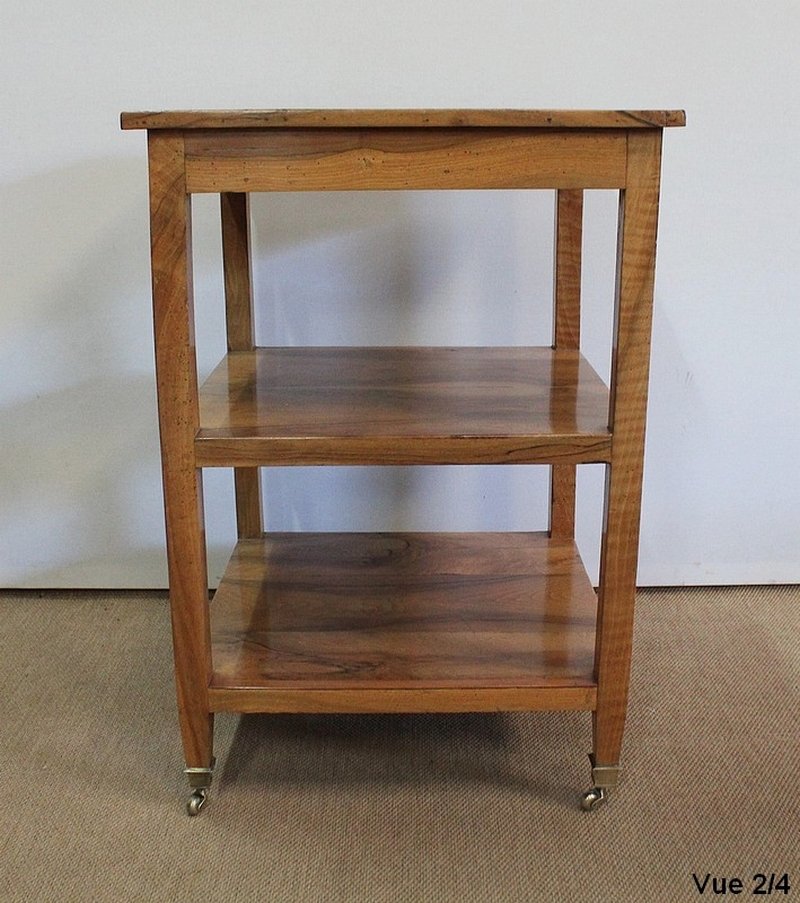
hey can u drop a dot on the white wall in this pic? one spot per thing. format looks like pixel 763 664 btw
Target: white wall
pixel 80 494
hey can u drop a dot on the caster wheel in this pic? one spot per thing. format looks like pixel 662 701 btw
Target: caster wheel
pixel 592 799
pixel 196 802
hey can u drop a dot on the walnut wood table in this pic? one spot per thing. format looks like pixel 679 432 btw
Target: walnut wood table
pixel 402 622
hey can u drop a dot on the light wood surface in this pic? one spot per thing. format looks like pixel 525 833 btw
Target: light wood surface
pixel 240 325
pixel 638 221
pixel 404 611
pixel 205 119
pixel 389 405
pixel 176 381
pixel 402 159
pixel 566 335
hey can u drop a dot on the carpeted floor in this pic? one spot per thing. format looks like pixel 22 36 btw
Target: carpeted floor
pixel 396 808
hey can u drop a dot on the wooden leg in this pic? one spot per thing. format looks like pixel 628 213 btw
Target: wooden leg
pixel 566 335
pixel 247 486
pixel 176 376
pixel 237 265
pixel 629 376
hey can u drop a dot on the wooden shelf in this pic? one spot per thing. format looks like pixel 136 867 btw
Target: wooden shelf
pixel 403 622
pixel 410 405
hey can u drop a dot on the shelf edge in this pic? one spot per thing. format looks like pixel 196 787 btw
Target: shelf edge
pixel 394 700
pixel 265 451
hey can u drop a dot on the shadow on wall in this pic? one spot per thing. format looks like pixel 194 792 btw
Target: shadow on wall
pixel 397 268
pixel 81 478
pixel 80 474
pixel 436 268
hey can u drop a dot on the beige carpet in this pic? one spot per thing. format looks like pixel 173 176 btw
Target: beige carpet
pixel 396 808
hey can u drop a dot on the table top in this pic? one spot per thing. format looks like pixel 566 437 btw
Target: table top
pixel 243 119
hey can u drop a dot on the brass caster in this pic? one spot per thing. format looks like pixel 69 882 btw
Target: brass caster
pixel 592 799
pixel 199 782
pixel 196 802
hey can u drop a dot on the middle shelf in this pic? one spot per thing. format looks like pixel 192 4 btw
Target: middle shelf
pixel 402 405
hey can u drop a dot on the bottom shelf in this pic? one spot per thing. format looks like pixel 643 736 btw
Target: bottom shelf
pixel 411 622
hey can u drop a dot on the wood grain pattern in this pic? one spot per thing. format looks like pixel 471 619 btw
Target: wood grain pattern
pixel 629 373
pixel 567 267
pixel 566 335
pixel 239 321
pixel 237 270
pixel 402 159
pixel 210 119
pixel 435 699
pixel 403 611
pixel 389 405
pixel 176 378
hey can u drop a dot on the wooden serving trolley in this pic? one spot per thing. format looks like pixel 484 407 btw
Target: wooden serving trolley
pixel 402 622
